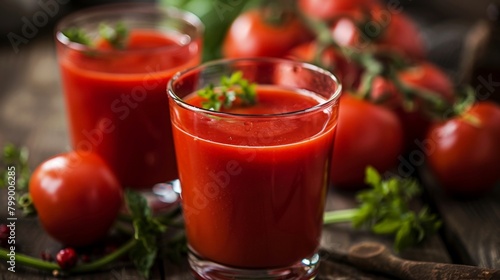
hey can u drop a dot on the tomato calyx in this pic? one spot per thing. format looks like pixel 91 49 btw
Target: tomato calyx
pixel 463 106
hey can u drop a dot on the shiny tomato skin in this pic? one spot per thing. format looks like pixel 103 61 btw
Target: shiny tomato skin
pixel 381 31
pixel 463 155
pixel 330 9
pixel 423 75
pixel 251 36
pixel 77 197
pixel 402 36
pixel 429 76
pixel 367 134
pixel 347 72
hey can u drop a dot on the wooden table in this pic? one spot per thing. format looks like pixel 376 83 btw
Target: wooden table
pixel 32 114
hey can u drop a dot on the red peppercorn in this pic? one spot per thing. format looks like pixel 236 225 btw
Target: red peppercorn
pixel 66 258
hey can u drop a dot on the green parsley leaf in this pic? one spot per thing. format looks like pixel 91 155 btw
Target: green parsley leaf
pixel 147 228
pixel 77 35
pixel 232 89
pixel 385 209
pixel 117 36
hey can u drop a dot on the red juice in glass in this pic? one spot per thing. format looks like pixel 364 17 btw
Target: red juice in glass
pixel 115 98
pixel 254 178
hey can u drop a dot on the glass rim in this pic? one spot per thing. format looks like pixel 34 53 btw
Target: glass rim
pixel 115 9
pixel 334 97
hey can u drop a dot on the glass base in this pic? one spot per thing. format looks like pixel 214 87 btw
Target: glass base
pixel 207 270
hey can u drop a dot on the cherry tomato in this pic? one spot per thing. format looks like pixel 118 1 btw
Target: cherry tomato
pixel 429 76
pixel 250 35
pixel 348 73
pixel 77 197
pixel 401 35
pixel 463 153
pixel 330 9
pixel 381 31
pixel 367 134
pixel 423 75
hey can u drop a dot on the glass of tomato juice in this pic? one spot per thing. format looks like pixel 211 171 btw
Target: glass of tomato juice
pixel 114 82
pixel 254 177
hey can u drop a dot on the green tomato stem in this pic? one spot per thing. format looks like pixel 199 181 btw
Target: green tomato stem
pixel 409 93
pixel 50 266
pixel 339 216
pixel 97 264
pixel 30 261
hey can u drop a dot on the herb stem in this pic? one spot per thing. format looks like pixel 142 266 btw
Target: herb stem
pixel 339 216
pixel 97 264
pixel 33 262
pixel 30 261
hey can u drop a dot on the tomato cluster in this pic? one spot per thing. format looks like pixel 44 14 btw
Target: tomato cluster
pixel 398 110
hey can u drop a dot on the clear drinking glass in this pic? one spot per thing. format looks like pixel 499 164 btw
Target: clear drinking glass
pixel 115 95
pixel 254 178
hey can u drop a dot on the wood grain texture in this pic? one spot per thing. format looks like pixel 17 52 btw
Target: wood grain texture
pixel 340 237
pixel 471 226
pixel 373 256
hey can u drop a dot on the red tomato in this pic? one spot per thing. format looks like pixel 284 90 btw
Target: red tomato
pixel 464 152
pixel 251 36
pixel 429 76
pixel 367 134
pixel 330 9
pixel 422 76
pixel 383 31
pixel 401 35
pixel 348 73
pixel 77 197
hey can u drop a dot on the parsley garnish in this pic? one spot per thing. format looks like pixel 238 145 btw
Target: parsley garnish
pixel 147 228
pixel 116 37
pixel 77 35
pixel 232 89
pixel 385 209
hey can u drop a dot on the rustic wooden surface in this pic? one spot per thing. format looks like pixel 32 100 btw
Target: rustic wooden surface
pixel 32 114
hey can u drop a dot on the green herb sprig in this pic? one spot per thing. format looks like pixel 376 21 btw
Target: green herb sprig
pixel 116 36
pixel 147 229
pixel 77 35
pixel 385 209
pixel 232 89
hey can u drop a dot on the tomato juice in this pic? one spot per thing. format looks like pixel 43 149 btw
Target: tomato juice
pixel 254 187
pixel 117 105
